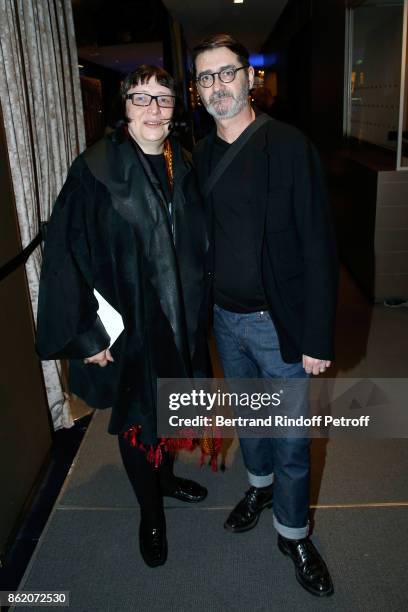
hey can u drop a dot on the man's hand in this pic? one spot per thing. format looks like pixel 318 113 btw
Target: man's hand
pixel 315 366
pixel 101 359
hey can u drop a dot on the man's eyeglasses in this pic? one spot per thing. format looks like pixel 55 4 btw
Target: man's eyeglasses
pixel 226 76
pixel 144 99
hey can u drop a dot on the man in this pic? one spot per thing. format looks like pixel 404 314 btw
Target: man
pixel 275 280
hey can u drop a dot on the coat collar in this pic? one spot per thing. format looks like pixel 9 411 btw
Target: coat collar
pixel 127 175
pixel 205 145
pixel 203 150
pixel 182 165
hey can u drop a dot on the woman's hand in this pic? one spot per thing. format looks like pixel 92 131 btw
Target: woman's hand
pixel 101 359
pixel 315 366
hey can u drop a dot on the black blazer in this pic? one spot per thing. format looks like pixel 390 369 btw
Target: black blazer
pixel 293 231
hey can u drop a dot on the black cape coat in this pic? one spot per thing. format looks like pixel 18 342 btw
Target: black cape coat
pixel 293 233
pixel 110 229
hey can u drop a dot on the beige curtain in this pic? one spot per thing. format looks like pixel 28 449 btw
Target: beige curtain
pixel 41 101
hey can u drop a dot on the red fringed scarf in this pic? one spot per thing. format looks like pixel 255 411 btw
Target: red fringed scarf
pixel 210 446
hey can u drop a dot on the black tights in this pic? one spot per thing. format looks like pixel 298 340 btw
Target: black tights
pixel 149 483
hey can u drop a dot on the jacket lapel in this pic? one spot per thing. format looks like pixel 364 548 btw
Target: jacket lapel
pixel 123 169
pixel 260 158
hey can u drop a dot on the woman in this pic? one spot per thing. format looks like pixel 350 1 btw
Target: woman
pixel 128 223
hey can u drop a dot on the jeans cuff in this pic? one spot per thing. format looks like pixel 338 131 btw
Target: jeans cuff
pixel 260 481
pixel 291 533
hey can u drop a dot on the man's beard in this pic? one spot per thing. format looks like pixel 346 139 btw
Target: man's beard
pixel 218 111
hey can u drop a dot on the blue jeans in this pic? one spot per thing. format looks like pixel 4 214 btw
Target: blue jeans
pixel 248 346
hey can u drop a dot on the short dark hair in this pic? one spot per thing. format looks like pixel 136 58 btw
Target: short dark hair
pixel 140 76
pixel 143 74
pixel 222 40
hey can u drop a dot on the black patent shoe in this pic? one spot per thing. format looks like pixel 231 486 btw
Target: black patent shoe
pixel 311 570
pixel 187 491
pixel 153 544
pixel 246 513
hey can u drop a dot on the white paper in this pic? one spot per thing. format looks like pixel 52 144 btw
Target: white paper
pixel 111 318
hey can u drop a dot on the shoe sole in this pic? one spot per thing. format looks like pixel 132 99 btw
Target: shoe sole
pixel 302 584
pixel 188 501
pixel 251 525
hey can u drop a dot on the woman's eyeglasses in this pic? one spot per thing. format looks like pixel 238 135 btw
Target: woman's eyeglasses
pixel 144 99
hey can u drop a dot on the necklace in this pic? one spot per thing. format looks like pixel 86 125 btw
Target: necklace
pixel 168 158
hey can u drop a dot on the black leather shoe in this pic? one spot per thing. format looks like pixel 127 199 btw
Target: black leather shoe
pixel 246 513
pixel 153 544
pixel 311 570
pixel 187 491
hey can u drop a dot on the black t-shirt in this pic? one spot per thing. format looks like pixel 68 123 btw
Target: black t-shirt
pixel 158 164
pixel 238 283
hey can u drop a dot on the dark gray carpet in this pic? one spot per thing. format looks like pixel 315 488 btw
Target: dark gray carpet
pixel 98 479
pixel 90 546
pixel 344 472
pixel 94 554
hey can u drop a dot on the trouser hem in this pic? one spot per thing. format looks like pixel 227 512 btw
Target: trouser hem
pixel 260 481
pixel 292 533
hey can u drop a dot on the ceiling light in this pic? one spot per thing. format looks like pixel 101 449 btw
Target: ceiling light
pixel 238 1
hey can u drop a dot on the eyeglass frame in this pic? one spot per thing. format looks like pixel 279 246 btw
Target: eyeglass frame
pixel 212 74
pixel 129 96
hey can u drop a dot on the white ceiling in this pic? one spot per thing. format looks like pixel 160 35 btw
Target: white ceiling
pixel 250 22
